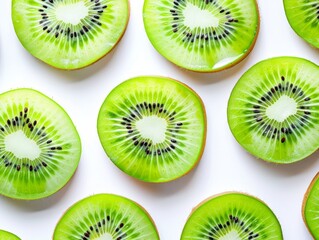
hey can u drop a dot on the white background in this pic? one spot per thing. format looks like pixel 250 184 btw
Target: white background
pixel 225 165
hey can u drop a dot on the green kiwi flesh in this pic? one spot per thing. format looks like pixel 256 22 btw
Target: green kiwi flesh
pixel 303 17
pixel 106 217
pixel 4 235
pixel 153 128
pixel 273 110
pixel 69 34
pixel 39 146
pixel 232 216
pixel 310 207
pixel 202 35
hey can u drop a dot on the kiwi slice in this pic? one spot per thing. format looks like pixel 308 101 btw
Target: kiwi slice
pixel 4 235
pixel 232 216
pixel 39 146
pixel 273 110
pixel 310 207
pixel 106 217
pixel 303 17
pixel 202 35
pixel 69 34
pixel 153 128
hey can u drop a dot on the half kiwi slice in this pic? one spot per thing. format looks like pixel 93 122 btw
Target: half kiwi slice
pixel 106 217
pixel 153 128
pixel 4 235
pixel 273 110
pixel 69 34
pixel 310 207
pixel 303 17
pixel 39 146
pixel 202 35
pixel 232 216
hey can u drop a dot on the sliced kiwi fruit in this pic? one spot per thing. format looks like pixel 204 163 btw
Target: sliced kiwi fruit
pixel 69 34
pixel 273 110
pixel 202 35
pixel 232 215
pixel 4 235
pixel 303 17
pixel 106 217
pixel 39 146
pixel 153 128
pixel 310 207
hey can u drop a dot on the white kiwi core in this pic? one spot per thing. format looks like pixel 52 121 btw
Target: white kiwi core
pixel 194 17
pixel 282 109
pixel 153 128
pixel 71 13
pixel 21 146
pixel 105 236
pixel 232 235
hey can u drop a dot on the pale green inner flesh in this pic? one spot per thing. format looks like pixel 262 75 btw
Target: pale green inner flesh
pixel 39 146
pixel 232 216
pixel 105 217
pixel 69 34
pixel 201 35
pixel 152 128
pixel 273 110
pixel 303 16
pixel 311 210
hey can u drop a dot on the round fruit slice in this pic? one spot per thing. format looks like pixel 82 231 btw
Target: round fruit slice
pixel 107 217
pixel 4 235
pixel 303 17
pixel 69 34
pixel 153 128
pixel 202 35
pixel 273 110
pixel 232 216
pixel 310 207
pixel 39 146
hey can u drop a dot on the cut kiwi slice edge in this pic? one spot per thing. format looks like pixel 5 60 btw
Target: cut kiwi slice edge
pixel 232 215
pixel 202 35
pixel 69 34
pixel 40 147
pixel 4 235
pixel 106 217
pixel 153 128
pixel 273 110
pixel 303 17
pixel 310 207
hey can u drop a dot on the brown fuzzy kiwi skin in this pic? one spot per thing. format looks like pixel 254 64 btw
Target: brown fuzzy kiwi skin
pixel 204 137
pixel 233 63
pixel 224 193
pixel 109 52
pixel 145 211
pixel 304 202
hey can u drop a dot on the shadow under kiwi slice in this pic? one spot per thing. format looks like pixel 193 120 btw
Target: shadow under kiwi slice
pixel 39 146
pixel 153 128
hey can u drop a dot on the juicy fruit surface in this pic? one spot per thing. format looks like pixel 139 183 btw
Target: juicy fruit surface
pixel 39 146
pixel 303 17
pixel 202 35
pixel 105 217
pixel 311 208
pixel 4 235
pixel 153 128
pixel 273 109
pixel 232 216
pixel 69 34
